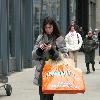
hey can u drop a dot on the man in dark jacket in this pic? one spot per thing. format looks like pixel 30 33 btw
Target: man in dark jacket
pixel 89 48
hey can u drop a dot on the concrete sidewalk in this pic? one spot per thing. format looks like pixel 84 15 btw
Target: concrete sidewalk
pixel 23 89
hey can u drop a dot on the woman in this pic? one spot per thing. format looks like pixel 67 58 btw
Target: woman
pixel 73 43
pixel 48 45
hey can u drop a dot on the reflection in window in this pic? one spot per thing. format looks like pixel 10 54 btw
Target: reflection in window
pixel 41 9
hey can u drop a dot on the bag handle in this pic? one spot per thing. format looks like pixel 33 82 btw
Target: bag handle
pixel 78 38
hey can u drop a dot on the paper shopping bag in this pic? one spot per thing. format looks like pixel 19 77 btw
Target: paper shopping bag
pixel 60 77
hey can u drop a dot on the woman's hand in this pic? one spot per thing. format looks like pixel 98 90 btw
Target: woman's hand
pixel 48 47
pixel 45 47
pixel 42 46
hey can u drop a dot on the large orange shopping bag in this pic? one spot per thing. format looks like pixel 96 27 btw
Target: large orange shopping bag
pixel 60 77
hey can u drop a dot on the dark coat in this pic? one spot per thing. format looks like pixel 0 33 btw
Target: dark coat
pixel 40 58
pixel 99 36
pixel 89 48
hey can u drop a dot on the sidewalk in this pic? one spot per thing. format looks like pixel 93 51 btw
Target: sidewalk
pixel 23 89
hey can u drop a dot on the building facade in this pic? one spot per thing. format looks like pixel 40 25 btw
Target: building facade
pixel 86 14
pixel 98 14
pixel 92 14
pixel 15 35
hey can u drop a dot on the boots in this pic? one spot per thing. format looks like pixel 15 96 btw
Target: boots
pixel 93 67
pixel 88 70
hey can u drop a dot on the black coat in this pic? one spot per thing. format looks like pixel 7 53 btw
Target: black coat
pixel 89 48
pixel 99 36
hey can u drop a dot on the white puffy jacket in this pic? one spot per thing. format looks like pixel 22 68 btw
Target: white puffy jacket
pixel 72 39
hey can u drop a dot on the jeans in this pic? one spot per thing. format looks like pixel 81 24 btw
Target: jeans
pixel 45 96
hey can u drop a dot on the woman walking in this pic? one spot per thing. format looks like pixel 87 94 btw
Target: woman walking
pixel 73 43
pixel 48 45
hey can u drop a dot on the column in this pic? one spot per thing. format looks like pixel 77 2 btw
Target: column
pixel 26 35
pixel 0 41
pixel 17 31
pixel 63 16
pixel 4 37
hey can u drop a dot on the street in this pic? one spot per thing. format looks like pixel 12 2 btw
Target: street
pixel 23 88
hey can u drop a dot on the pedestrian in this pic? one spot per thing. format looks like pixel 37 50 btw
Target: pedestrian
pixel 99 44
pixel 81 32
pixel 48 45
pixel 73 43
pixel 89 48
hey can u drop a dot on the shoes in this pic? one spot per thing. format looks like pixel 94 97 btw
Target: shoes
pixel 87 72
pixel 93 69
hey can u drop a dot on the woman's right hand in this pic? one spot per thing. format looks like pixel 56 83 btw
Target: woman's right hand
pixel 43 46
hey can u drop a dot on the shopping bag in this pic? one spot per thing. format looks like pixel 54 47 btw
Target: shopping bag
pixel 59 77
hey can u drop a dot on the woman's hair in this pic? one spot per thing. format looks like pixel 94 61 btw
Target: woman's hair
pixel 49 20
pixel 69 28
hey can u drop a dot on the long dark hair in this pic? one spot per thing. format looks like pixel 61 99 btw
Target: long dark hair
pixel 50 20
pixel 69 28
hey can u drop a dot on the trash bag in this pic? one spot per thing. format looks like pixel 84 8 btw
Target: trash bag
pixel 61 77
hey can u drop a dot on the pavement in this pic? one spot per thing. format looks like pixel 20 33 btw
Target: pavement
pixel 23 88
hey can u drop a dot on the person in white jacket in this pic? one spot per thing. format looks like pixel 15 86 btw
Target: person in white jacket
pixel 73 42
